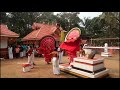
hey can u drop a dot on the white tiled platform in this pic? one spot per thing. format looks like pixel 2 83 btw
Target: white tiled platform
pixel 83 74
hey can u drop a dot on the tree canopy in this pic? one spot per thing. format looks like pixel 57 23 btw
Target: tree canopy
pixel 105 25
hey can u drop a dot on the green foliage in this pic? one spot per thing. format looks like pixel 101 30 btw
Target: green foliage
pixel 105 25
pixel 19 22
pixel 111 23
pixel 46 17
pixel 69 20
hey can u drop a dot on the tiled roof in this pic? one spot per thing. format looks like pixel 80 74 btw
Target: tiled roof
pixel 41 30
pixel 4 31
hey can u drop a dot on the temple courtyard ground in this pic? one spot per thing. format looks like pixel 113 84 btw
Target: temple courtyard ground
pixel 13 68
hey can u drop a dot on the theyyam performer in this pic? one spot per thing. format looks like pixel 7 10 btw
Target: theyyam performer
pixel 72 43
pixel 47 45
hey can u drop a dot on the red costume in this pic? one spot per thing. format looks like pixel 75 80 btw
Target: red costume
pixel 47 45
pixel 72 43
pixel 71 46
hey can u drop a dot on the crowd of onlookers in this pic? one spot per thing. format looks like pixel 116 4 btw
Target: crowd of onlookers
pixel 19 51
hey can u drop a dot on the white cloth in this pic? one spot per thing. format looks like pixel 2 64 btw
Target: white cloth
pixel 24 52
pixel 58 49
pixel 33 55
pixel 31 58
pixel 106 48
pixel 28 48
pixel 10 52
pixel 56 69
pixel 60 55
pixel 84 46
pixel 21 54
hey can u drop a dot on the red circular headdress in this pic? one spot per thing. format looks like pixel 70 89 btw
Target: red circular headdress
pixel 47 44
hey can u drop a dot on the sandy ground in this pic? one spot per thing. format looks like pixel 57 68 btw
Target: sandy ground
pixel 113 64
pixel 13 68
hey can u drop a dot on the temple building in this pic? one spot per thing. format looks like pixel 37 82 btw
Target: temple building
pixel 6 38
pixel 41 30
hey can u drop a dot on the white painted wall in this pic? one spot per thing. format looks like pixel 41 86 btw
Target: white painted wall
pixel 3 42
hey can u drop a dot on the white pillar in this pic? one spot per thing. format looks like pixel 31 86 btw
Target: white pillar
pixel 106 48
